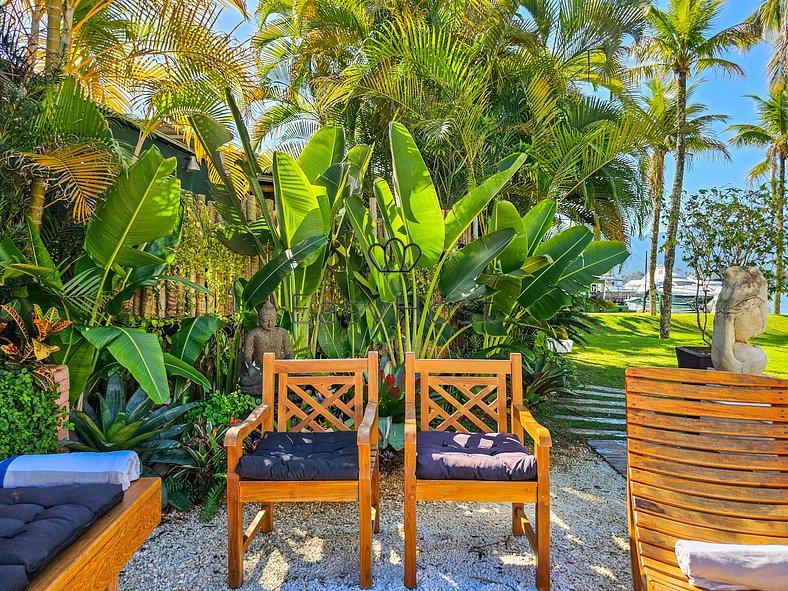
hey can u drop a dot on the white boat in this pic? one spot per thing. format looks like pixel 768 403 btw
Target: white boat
pixel 688 293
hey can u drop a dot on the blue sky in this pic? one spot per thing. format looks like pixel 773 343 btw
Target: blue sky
pixel 720 94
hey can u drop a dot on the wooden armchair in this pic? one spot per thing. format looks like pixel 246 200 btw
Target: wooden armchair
pixel 307 451
pixel 708 461
pixel 463 406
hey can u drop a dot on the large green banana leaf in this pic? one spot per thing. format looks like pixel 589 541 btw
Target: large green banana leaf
pixel 458 278
pixel 188 342
pixel 143 205
pixel 537 221
pixel 598 258
pixel 263 283
pixel 541 296
pixel 505 215
pixel 136 350
pixel 298 210
pixel 466 209
pixel 417 196
pixel 326 147
pixel 333 340
pixel 178 367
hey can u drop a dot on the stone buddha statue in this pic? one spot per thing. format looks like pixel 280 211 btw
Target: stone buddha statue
pixel 741 314
pixel 267 337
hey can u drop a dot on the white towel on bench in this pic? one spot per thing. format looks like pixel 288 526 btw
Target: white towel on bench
pixel 117 467
pixel 734 567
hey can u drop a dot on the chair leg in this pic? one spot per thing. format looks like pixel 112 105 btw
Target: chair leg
pixel 268 520
pixel 376 501
pixel 517 523
pixel 235 541
pixel 365 533
pixel 543 541
pixel 410 535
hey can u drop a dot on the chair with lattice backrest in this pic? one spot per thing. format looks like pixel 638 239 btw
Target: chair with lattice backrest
pixel 707 459
pixel 470 447
pixel 318 443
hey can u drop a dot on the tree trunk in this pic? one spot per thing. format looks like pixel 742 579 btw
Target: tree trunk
pixel 68 23
pixel 780 250
pixel 657 196
pixel 54 22
pixel 35 33
pixel 675 208
pixel 38 192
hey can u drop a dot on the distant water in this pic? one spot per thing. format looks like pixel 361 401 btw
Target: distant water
pixel 636 263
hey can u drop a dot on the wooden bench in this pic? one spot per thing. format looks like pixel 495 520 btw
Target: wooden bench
pixel 707 461
pixel 94 561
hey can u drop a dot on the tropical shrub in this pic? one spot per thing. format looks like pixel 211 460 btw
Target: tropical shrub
pixel 221 410
pixel 127 245
pixel 545 375
pixel 29 414
pixel 136 424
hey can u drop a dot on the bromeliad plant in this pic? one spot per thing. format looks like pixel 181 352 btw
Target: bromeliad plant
pixel 134 424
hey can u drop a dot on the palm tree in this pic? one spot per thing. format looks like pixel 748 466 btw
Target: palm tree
pixel 771 132
pixel 660 108
pixel 680 41
pixel 163 59
pixel 772 19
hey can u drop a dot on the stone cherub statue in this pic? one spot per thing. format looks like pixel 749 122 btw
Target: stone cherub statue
pixel 267 337
pixel 741 314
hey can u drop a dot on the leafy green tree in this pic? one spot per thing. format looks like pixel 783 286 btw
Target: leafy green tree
pixel 771 132
pixel 680 40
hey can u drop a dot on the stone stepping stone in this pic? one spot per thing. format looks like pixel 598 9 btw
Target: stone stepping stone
pixel 592 404
pixel 594 434
pixel 593 412
pixel 591 394
pixel 614 453
pixel 607 389
pixel 599 422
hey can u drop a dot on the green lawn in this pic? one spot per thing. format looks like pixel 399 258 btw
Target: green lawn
pixel 625 340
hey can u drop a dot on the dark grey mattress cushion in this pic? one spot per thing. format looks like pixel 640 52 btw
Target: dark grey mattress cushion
pixel 36 524
pixel 441 455
pixel 302 456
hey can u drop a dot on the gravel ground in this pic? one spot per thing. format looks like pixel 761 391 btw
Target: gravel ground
pixel 464 546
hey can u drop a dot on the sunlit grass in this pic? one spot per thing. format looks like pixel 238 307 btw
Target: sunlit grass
pixel 625 340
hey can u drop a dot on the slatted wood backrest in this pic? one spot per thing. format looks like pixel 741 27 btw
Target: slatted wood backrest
pixel 464 395
pixel 318 394
pixel 708 461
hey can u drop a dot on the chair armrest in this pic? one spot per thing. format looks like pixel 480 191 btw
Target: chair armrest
pixel 234 438
pixel 537 432
pixel 236 434
pixel 368 430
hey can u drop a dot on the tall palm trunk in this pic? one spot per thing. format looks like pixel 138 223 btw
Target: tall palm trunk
pixel 54 23
pixel 780 251
pixel 657 196
pixel 35 32
pixel 675 207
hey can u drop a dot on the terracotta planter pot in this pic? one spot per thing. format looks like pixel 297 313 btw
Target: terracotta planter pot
pixel 60 373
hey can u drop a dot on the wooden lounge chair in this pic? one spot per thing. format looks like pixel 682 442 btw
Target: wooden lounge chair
pixel 334 462
pixel 708 461
pixel 466 396
pixel 96 558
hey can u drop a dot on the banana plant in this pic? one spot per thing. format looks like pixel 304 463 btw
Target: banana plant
pixel 422 246
pixel 127 245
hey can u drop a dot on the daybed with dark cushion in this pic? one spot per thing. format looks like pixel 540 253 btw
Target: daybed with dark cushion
pixel 36 524
pixel 76 537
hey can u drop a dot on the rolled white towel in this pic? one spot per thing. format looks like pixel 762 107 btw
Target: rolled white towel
pixel 116 467
pixel 734 567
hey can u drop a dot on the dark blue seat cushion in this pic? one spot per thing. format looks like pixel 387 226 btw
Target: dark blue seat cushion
pixel 36 524
pixel 441 455
pixel 302 456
